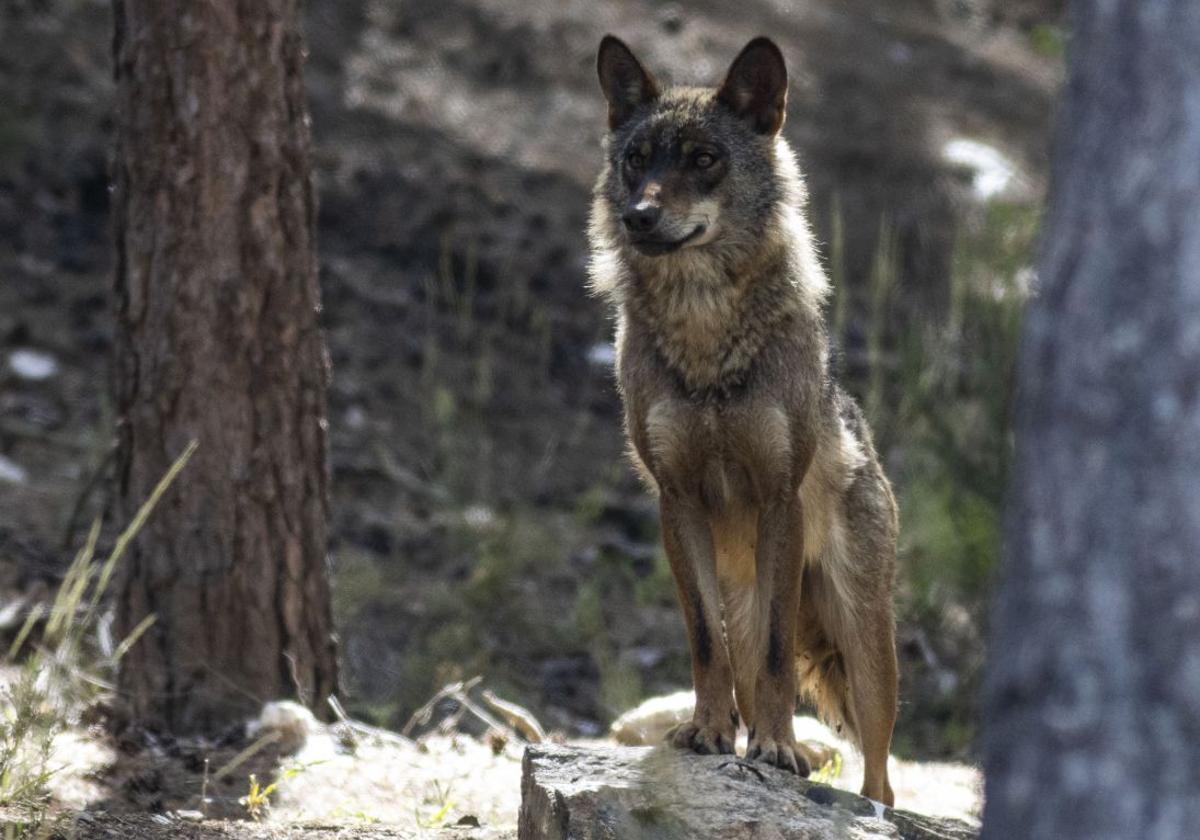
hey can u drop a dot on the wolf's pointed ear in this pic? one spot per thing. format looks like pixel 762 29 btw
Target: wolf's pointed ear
pixel 755 87
pixel 625 83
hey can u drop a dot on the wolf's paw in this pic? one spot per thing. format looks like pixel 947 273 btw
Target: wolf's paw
pixel 781 753
pixel 706 740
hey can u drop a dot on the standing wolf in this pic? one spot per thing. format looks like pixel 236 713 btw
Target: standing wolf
pixel 778 521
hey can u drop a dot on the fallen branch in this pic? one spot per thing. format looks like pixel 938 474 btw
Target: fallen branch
pixel 366 730
pixel 518 717
pixel 459 693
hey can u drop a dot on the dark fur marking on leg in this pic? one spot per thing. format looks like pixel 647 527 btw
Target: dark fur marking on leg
pixel 703 642
pixel 774 651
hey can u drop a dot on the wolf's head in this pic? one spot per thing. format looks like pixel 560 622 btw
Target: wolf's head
pixel 692 168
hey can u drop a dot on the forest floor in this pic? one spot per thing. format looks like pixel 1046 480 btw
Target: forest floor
pixel 330 781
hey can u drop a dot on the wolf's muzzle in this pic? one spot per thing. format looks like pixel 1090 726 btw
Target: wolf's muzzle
pixel 653 246
pixel 641 219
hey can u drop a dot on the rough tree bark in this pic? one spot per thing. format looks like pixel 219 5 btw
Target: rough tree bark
pixel 217 339
pixel 1093 726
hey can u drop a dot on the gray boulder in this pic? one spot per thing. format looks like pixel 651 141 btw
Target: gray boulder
pixel 657 793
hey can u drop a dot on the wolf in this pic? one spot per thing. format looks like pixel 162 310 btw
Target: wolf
pixel 778 522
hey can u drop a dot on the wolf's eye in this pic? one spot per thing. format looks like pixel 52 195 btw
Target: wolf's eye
pixel 704 160
pixel 635 160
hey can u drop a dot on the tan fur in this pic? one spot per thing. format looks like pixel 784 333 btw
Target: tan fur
pixel 777 520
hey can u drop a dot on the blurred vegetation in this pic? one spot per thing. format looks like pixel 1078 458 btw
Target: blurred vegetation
pixel 55 44
pixel 940 403
pixel 954 388
pixel 533 590
pixel 1049 39
pixel 61 661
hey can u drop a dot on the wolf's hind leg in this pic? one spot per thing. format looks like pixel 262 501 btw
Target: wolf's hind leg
pixel 871 669
pixel 850 667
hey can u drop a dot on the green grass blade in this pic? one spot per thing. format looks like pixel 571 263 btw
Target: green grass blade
pixel 74 584
pixel 139 520
pixel 26 629
pixel 135 634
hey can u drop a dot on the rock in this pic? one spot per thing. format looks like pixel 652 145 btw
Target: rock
pixel 33 365
pixel 636 793
pixel 12 472
pixel 941 789
pixel 647 723
pixel 297 731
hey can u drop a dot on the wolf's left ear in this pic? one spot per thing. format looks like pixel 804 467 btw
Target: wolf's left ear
pixel 756 86
pixel 625 82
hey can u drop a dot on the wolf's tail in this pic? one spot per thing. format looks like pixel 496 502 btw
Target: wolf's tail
pixel 821 676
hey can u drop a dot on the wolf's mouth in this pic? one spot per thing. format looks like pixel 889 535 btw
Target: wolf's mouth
pixel 654 247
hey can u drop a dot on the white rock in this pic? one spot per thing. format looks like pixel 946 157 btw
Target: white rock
pixel 993 171
pixel 33 365
pixel 479 517
pixel 300 733
pixel 647 723
pixel 12 472
pixel 602 355
pixel 642 793
pixel 934 788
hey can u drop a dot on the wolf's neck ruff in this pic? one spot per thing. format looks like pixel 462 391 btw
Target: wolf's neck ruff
pixel 709 327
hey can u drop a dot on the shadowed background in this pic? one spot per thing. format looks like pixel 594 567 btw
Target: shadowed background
pixel 484 517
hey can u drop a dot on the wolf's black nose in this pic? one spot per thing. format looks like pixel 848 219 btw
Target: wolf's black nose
pixel 641 219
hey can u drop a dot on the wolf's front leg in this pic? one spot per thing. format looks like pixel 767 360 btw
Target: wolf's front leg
pixel 778 560
pixel 688 541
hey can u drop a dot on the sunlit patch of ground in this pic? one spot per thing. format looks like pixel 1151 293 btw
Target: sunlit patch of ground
pixel 438 781
pixel 335 783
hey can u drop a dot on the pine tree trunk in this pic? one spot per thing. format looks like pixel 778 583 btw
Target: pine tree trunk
pixel 1093 727
pixel 218 340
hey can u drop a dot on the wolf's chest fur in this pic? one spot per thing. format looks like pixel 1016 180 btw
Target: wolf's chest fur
pixel 707 324
pixel 729 453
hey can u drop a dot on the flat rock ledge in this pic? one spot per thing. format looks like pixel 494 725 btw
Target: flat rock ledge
pixel 658 793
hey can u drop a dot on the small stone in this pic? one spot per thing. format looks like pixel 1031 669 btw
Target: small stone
pixel 602 355
pixel 12 472
pixel 33 365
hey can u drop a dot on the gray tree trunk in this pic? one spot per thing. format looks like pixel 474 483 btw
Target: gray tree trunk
pixel 217 339
pixel 1093 695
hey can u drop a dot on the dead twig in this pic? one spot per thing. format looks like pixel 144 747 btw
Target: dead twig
pixel 404 478
pixel 459 692
pixel 244 755
pixel 518 717
pixel 366 730
pixel 422 715
pixel 481 713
